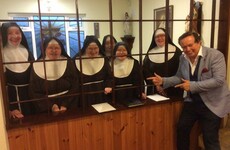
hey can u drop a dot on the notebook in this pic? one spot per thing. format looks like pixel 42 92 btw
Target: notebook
pixel 133 103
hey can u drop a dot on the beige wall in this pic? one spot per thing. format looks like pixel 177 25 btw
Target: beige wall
pixel 99 10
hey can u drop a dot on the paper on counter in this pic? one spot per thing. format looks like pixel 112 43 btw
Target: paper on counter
pixel 157 97
pixel 103 107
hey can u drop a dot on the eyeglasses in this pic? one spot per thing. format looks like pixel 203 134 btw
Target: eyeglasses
pixel 122 51
pixel 160 36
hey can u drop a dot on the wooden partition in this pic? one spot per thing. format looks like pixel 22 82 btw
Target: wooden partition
pixel 151 127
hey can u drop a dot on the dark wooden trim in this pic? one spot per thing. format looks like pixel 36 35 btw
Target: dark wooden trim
pixel 43 118
pixel 3 85
pixel 223 36
pixel 213 23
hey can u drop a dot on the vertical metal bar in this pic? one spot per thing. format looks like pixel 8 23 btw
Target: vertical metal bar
pixel 113 57
pixel 80 57
pixel 42 51
pixel 213 23
pixel 140 32
pixel 191 14
pixel 167 32
pixel 3 87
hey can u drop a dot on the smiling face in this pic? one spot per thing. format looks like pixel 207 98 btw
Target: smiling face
pixel 121 53
pixel 160 40
pixel 92 50
pixel 190 47
pixel 14 36
pixel 159 37
pixel 53 50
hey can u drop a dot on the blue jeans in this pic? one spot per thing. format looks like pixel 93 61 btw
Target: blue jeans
pixel 209 122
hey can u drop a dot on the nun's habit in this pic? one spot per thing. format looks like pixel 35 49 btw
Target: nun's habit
pixel 58 80
pixel 127 76
pixel 17 74
pixel 95 74
pixel 155 63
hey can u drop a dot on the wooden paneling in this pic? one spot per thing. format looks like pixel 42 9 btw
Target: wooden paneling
pixel 223 32
pixel 142 128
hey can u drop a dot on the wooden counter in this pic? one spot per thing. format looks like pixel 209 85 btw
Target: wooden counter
pixel 148 127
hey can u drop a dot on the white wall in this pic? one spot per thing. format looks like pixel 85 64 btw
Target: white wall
pixel 99 10
pixel 180 11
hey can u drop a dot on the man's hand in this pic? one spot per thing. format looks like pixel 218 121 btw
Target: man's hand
pixel 185 85
pixel 157 80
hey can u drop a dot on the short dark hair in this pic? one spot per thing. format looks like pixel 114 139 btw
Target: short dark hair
pixel 186 34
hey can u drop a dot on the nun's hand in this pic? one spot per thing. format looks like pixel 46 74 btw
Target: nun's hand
pixel 143 96
pixel 107 90
pixel 16 114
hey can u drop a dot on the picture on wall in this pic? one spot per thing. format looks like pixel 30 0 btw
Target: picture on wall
pixel 96 29
pixel 160 19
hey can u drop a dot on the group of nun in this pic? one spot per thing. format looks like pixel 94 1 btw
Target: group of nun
pixel 96 74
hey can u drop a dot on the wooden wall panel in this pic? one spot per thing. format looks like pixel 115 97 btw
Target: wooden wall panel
pixel 141 128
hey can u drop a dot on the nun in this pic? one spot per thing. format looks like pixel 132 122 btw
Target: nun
pixel 155 62
pixel 127 76
pixel 108 44
pixel 53 78
pixel 17 65
pixel 95 70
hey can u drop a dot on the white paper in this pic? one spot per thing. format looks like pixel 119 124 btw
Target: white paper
pixel 103 107
pixel 157 97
